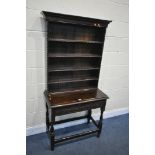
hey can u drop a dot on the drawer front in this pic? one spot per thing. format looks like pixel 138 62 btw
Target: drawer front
pixel 78 107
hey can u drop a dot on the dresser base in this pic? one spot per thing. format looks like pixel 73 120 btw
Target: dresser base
pixel 51 131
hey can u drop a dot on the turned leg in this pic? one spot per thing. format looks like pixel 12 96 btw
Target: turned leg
pixel 89 116
pixel 52 137
pixel 47 118
pixel 52 133
pixel 100 121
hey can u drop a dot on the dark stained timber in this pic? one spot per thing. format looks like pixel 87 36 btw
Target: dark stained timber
pixel 74 53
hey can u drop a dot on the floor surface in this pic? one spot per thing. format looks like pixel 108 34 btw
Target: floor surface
pixel 114 140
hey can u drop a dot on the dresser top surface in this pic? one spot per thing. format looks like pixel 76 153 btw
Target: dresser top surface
pixel 69 98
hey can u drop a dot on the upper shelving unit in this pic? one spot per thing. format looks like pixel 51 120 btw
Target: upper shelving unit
pixel 74 52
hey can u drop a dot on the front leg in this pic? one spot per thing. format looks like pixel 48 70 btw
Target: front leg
pixel 52 135
pixel 52 132
pixel 100 121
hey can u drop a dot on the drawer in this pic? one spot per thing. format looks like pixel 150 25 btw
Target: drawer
pixel 78 107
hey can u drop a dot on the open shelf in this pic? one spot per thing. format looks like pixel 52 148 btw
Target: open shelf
pixel 73 33
pixel 73 76
pixel 68 63
pixel 58 69
pixel 75 41
pixel 71 86
pixel 72 80
pixel 73 55
pixel 61 49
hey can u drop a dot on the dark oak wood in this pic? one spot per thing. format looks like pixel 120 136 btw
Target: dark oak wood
pixel 75 41
pixel 89 132
pixel 67 98
pixel 74 53
pixel 75 20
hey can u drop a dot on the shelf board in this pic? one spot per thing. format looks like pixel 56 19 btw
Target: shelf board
pixel 72 55
pixel 71 80
pixel 75 41
pixel 52 69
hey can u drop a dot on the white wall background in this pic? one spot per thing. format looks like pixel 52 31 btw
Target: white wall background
pixel 114 67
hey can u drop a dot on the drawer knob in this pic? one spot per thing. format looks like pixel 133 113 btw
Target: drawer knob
pixel 79 99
